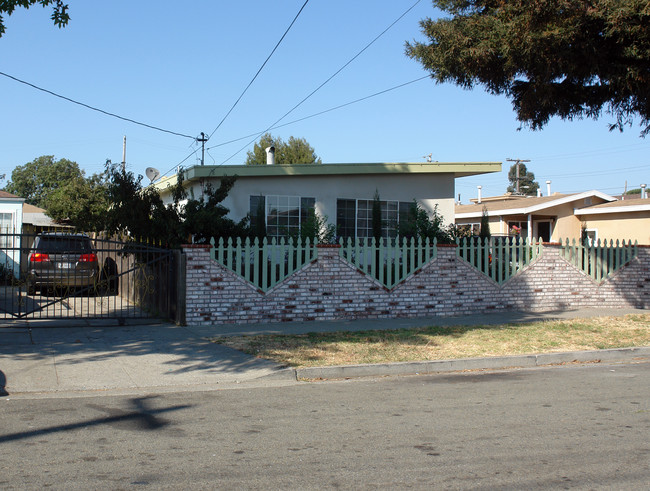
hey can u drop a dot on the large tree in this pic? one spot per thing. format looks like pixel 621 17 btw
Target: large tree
pixel 527 183
pixel 138 211
pixel 294 151
pixel 59 10
pixel 40 177
pixel 81 202
pixel 566 58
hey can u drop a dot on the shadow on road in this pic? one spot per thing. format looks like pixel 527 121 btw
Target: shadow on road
pixel 141 418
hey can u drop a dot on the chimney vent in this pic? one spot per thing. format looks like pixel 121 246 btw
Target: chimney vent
pixel 270 155
pixel 643 195
pixel 548 188
pixel 479 193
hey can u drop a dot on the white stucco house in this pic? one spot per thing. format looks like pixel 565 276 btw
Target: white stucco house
pixel 341 192
pixel 11 222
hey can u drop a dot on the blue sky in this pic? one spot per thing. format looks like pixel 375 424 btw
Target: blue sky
pixel 182 68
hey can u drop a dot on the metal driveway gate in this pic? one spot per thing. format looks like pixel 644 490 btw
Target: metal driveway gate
pixel 133 280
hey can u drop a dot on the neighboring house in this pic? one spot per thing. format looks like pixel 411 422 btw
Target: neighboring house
pixel 622 219
pixel 16 218
pixel 35 220
pixel 11 222
pixel 11 213
pixel 560 216
pixel 281 194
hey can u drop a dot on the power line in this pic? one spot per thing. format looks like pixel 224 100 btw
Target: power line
pixel 260 69
pixel 330 78
pixel 94 108
pixel 258 133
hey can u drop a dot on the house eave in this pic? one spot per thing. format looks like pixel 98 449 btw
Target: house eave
pixel 528 210
pixel 457 169
pixel 618 209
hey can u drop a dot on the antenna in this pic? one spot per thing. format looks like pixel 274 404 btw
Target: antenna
pixel 152 173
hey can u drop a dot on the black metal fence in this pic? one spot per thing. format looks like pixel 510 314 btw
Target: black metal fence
pixel 115 279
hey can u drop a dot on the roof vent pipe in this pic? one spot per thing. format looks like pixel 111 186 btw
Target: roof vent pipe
pixel 548 188
pixel 270 155
pixel 479 193
pixel 539 193
pixel 643 186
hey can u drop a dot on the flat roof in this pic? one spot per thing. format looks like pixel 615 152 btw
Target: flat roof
pixel 458 169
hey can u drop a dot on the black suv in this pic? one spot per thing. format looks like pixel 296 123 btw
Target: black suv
pixel 60 260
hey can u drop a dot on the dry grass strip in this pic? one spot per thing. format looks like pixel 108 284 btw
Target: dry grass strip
pixel 440 343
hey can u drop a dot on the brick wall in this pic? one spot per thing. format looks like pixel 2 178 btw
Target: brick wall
pixel 330 288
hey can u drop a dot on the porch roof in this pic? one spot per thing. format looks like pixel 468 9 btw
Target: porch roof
pixel 525 206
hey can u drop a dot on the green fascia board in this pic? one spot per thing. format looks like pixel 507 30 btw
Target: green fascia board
pixel 458 169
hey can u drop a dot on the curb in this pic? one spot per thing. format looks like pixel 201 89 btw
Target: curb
pixel 437 366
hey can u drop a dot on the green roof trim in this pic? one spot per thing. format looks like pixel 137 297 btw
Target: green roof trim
pixel 458 169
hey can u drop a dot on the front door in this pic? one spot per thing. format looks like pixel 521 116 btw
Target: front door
pixel 544 231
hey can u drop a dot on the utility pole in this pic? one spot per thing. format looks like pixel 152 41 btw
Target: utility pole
pixel 124 154
pixel 518 161
pixel 203 139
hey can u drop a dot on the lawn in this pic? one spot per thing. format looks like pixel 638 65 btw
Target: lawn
pixel 442 343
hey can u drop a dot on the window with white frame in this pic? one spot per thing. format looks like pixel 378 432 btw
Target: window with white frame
pixel 6 227
pixel 469 229
pixel 280 216
pixel 518 228
pixel 354 217
pixel 590 235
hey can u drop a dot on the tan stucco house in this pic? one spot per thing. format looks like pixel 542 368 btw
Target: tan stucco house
pixel 628 219
pixel 561 216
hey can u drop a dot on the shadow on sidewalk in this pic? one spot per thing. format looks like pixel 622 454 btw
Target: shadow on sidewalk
pixel 3 384
pixel 172 347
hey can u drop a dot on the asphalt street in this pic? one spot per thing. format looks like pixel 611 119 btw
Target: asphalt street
pixel 570 427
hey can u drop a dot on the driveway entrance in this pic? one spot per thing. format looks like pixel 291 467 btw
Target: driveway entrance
pixel 133 280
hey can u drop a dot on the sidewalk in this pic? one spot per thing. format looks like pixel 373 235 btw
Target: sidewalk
pixel 54 357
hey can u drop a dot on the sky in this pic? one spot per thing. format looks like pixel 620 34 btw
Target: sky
pixel 181 69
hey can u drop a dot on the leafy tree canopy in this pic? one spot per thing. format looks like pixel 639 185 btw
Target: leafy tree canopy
pixel 35 180
pixel 206 218
pixel 59 10
pixel 484 233
pixel 294 151
pixel 140 212
pixel 527 183
pixel 81 202
pixel 566 58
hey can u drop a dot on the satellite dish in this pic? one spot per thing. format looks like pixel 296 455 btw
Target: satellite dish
pixel 152 173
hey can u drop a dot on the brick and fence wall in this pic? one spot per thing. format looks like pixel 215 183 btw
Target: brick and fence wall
pixel 331 288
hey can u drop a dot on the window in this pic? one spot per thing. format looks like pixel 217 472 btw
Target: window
pixel 6 227
pixel 469 229
pixel 590 235
pixel 354 217
pixel 280 215
pixel 518 228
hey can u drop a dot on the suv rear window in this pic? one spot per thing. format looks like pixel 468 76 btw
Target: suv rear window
pixel 64 244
